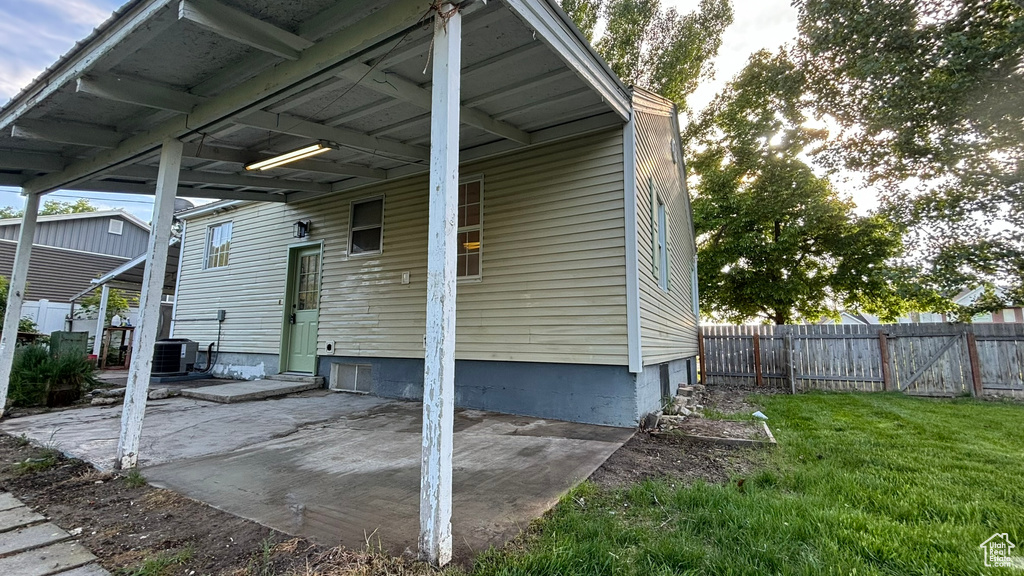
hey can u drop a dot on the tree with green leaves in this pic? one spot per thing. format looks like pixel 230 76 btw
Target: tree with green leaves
pixel 51 207
pixel 117 303
pixel 929 99
pixel 776 242
pixel 661 50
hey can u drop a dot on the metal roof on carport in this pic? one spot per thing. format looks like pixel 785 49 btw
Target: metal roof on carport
pixel 243 80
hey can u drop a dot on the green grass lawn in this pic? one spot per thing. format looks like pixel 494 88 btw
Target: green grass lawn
pixel 860 484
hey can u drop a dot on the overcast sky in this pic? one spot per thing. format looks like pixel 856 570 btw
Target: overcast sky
pixel 34 33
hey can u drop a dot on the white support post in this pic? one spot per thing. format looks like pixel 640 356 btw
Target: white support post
pixel 101 321
pixel 149 306
pixel 435 543
pixel 16 295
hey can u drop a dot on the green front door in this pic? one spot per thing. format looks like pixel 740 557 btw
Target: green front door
pixel 302 312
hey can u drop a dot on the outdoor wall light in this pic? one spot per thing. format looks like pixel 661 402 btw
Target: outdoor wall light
pixel 288 157
pixel 301 228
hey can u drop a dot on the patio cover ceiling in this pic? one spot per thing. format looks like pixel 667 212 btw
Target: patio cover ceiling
pixel 244 80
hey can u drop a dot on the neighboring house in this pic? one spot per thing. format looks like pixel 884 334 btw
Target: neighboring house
pixel 110 232
pixel 69 251
pixel 542 314
pixel 1011 315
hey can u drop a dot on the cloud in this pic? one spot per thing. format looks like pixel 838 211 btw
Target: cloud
pixel 35 33
pixel 83 12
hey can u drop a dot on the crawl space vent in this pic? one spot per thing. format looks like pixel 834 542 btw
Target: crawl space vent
pixel 351 377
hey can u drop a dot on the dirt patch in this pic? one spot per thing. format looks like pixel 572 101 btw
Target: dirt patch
pixel 722 429
pixel 673 457
pixel 126 526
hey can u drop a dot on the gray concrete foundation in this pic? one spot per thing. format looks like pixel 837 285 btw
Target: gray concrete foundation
pixel 590 394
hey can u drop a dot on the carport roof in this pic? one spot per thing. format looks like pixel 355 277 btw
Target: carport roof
pixel 243 80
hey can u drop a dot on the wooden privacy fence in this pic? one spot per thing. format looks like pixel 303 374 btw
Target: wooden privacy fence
pixel 921 359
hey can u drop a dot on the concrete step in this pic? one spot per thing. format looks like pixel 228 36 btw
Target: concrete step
pixel 290 377
pixel 250 390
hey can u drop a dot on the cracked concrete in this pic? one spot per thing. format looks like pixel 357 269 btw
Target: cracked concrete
pixel 181 428
pixel 340 467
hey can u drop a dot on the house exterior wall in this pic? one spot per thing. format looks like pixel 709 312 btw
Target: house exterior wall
pixel 87 235
pixel 553 266
pixel 57 274
pixel 668 325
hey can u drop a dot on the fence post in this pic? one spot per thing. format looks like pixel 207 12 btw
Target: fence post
pixel 972 352
pixel 790 369
pixel 883 350
pixel 757 360
pixel 700 352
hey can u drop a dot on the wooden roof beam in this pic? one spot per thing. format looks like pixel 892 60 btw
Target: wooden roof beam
pixel 241 27
pixel 18 160
pixel 66 133
pixel 287 124
pixel 138 93
pixel 149 189
pixel 402 89
pixel 233 156
pixel 224 179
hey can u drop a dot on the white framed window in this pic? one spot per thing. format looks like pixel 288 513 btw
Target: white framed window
pixel 470 229
pixel 366 227
pixel 115 226
pixel 218 245
pixel 659 239
pixel 1009 315
pixel 663 246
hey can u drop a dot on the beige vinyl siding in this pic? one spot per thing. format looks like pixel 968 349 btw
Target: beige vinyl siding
pixel 668 326
pixel 249 289
pixel 553 265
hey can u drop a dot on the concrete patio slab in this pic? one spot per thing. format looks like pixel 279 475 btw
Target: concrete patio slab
pixel 244 391
pixel 358 477
pixel 179 428
pixel 341 468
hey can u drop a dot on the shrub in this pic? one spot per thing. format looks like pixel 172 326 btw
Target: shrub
pixel 39 378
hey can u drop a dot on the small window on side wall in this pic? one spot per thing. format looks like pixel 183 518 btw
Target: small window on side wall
pixel 115 227
pixel 366 232
pixel 470 229
pixel 218 245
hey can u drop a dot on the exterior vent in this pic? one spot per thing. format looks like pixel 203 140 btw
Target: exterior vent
pixel 351 378
pixel 174 356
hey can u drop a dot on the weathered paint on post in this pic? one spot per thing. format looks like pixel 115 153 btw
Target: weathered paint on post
pixel 149 306
pixel 16 294
pixel 435 543
pixel 101 321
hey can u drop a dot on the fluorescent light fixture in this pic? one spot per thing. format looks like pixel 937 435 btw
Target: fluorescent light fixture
pixel 288 157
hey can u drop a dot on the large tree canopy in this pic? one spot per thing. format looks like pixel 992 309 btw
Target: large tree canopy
pixel 51 207
pixel 775 241
pixel 929 98
pixel 657 49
